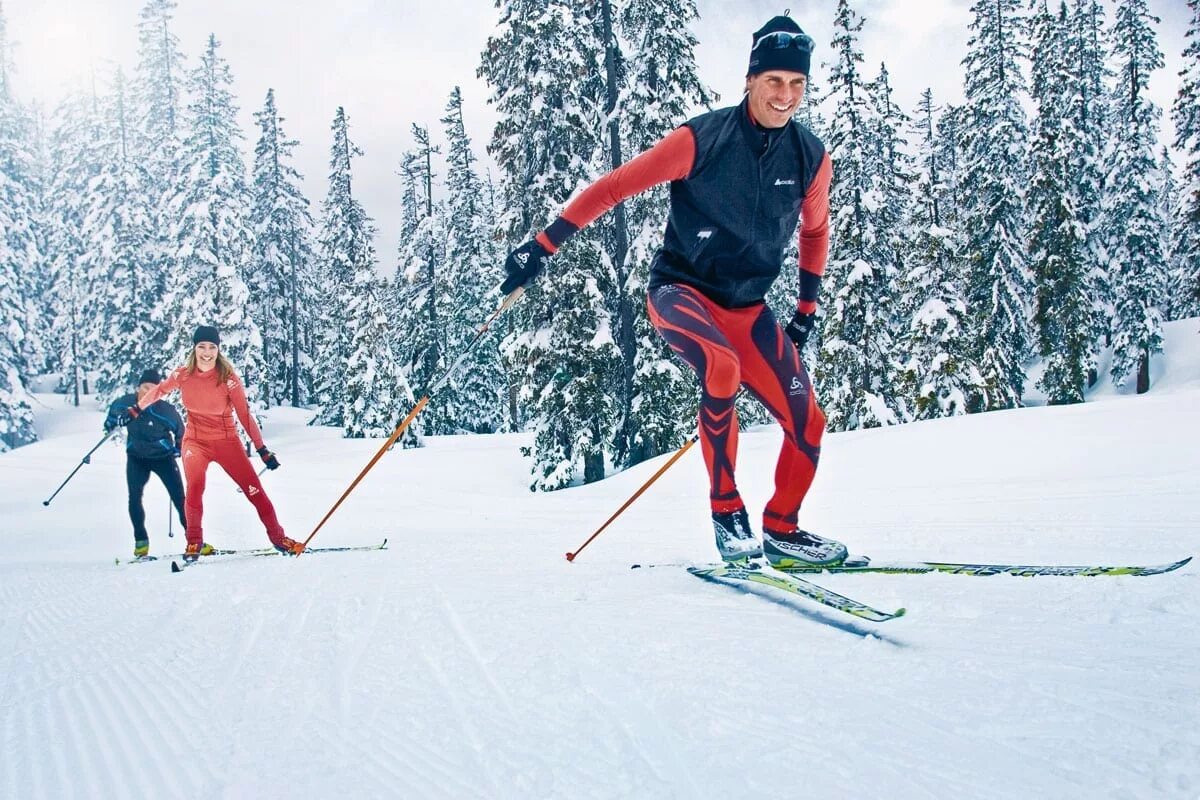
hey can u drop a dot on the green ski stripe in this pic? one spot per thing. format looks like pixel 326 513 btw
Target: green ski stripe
pixel 794 585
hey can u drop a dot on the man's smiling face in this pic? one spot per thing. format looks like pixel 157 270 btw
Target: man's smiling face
pixel 775 95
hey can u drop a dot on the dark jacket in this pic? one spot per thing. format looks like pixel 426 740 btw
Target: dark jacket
pixel 732 216
pixel 156 431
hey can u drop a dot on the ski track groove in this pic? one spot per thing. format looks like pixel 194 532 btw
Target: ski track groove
pixel 614 719
pixel 459 630
pixel 89 773
pixel 395 756
pixel 466 724
pixel 11 744
pixel 362 641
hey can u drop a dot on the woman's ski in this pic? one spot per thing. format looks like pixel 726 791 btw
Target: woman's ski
pixel 177 566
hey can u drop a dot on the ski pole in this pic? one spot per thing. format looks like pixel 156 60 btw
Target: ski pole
pixel 403 426
pixel 170 516
pixel 86 460
pixel 678 454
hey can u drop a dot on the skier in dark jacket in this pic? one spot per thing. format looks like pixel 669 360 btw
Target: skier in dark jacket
pixel 741 177
pixel 151 445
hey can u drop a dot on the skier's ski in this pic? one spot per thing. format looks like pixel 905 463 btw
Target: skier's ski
pixel 215 552
pixel 733 574
pixel 180 566
pixel 864 564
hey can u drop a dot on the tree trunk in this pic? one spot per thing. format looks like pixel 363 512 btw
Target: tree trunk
pixel 295 326
pixel 626 315
pixel 1143 378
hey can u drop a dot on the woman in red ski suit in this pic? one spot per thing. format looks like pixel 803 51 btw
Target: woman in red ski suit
pixel 212 392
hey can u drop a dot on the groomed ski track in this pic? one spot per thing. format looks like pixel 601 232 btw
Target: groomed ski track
pixel 469 659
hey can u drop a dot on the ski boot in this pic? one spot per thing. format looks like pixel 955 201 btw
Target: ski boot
pixel 801 550
pixel 194 551
pixel 736 542
pixel 289 547
pixel 141 548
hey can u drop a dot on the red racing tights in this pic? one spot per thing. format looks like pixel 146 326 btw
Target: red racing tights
pixel 735 347
pixel 229 454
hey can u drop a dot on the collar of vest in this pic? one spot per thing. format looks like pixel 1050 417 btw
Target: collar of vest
pixel 751 132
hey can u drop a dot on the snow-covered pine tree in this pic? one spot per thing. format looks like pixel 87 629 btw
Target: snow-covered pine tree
pixel 158 114
pixel 1064 320
pixel 894 181
pixel 20 255
pixel 993 188
pixel 1185 113
pixel 937 374
pixel 658 85
pixel 1131 209
pixel 71 254
pixel 376 395
pixel 347 254
pixel 282 283
pixel 544 65
pixel 344 232
pixel 120 227
pixel 853 370
pixel 1175 299
pixel 423 286
pixel 211 232
pixel 950 153
pixel 476 394
pixel 1089 63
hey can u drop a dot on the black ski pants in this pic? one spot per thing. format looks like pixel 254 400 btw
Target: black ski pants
pixel 137 473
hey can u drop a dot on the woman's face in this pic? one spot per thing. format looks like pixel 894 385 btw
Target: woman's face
pixel 206 356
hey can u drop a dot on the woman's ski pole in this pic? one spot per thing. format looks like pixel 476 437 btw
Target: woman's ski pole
pixel 678 454
pixel 403 426
pixel 86 460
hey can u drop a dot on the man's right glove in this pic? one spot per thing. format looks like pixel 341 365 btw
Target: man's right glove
pixel 799 329
pixel 127 416
pixel 523 265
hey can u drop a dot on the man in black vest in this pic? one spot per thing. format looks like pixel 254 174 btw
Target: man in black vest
pixel 741 177
pixel 151 445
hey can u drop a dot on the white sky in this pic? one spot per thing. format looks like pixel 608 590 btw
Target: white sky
pixel 394 63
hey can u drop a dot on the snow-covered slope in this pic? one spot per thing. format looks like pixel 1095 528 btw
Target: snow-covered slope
pixel 472 660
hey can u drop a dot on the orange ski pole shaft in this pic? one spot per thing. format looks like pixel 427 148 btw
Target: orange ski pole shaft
pixel 678 454
pixel 403 426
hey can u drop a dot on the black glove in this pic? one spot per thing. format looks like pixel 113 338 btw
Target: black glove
pixel 127 416
pixel 523 265
pixel 268 458
pixel 799 328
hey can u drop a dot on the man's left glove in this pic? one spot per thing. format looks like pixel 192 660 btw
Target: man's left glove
pixel 799 328
pixel 268 458
pixel 523 265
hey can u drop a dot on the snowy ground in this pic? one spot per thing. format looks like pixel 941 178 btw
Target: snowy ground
pixel 472 660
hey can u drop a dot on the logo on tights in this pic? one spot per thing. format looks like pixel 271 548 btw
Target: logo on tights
pixel 251 491
pixel 796 388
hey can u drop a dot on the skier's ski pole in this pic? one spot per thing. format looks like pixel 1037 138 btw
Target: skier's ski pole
pixel 170 516
pixel 86 460
pixel 678 454
pixel 403 426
